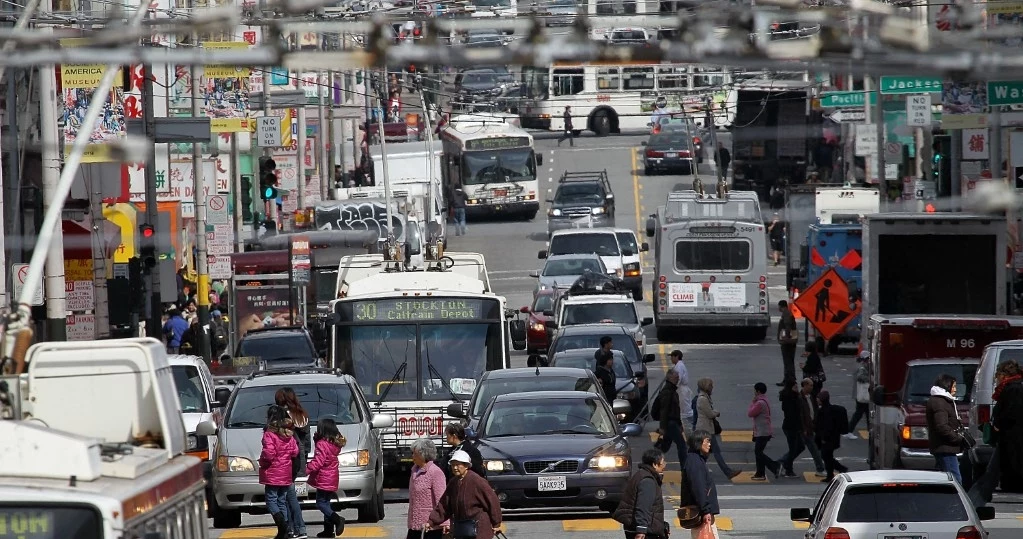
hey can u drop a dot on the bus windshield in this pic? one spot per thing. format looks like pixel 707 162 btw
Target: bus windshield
pixel 498 166
pixel 715 255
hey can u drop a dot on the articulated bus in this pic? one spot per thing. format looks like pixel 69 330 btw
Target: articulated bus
pixel 607 98
pixel 495 164
pixel 710 263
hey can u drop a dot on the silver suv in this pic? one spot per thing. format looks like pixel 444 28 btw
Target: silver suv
pixel 324 393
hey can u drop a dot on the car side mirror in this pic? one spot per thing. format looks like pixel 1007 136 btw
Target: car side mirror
pixel 456 409
pixel 986 513
pixel 610 196
pixel 206 428
pixel 381 421
pixel 644 247
pixel 800 514
pixel 649 358
pixel 647 321
pixel 542 255
pixel 534 274
pixel 878 395
pixel 631 429
pixel 621 407
pixel 524 309
pixel 221 395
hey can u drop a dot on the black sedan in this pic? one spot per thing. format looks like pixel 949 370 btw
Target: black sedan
pixel 507 381
pixel 555 449
pixel 670 150
pixel 628 380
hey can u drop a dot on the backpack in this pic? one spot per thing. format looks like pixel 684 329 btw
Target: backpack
pixel 655 409
pixel 841 415
pixel 696 411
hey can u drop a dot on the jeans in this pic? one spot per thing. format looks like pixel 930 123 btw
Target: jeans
pixel 460 221
pixel 984 486
pixel 715 448
pixel 295 516
pixel 788 361
pixel 862 410
pixel 276 499
pixel 949 463
pixel 796 449
pixel 323 498
pixel 830 464
pixel 794 439
pixel 674 435
pixel 759 444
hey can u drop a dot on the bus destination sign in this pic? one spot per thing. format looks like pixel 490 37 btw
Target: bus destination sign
pixel 421 310
pixel 497 143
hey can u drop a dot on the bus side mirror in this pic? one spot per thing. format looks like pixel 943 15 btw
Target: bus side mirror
pixel 651 229
pixel 539 159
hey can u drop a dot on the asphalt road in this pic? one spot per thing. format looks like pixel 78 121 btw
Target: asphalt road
pixel 751 510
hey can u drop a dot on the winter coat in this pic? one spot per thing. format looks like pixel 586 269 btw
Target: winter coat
pixel 828 425
pixel 760 411
pixel 1008 418
pixel 608 382
pixel 669 406
pixel 323 469
pixel 808 411
pixel 700 489
pixel 792 413
pixel 275 459
pixel 425 487
pixel 642 506
pixel 469 497
pixel 705 413
pixel 943 423
pixel 474 455
pixel 304 446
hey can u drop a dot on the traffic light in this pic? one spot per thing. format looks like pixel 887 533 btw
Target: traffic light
pixel 147 246
pixel 136 286
pixel 267 178
pixel 246 198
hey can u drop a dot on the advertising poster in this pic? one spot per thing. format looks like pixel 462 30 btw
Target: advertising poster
pixel 78 89
pixel 706 295
pixel 262 306
pixel 224 91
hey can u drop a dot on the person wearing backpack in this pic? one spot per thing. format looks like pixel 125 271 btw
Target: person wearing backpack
pixel 668 412
pixel 831 423
pixel 218 333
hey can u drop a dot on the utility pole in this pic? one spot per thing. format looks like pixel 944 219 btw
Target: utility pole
pixel 236 180
pixel 332 148
pixel 302 154
pixel 153 326
pixel 270 206
pixel 326 137
pixel 56 309
pixel 101 314
pixel 3 215
pixel 199 197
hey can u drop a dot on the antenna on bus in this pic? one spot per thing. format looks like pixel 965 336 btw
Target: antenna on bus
pixel 392 250
pixel 698 186
pixel 722 189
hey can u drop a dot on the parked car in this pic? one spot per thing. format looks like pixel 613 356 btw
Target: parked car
pixel 981 401
pixel 323 393
pixel 914 451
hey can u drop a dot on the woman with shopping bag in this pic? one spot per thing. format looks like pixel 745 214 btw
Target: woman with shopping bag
pixel 468 502
pixel 699 505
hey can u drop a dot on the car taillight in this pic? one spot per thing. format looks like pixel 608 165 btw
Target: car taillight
pixel 652 153
pixel 836 533
pixel 983 414
pixel 968 532
pixel 696 140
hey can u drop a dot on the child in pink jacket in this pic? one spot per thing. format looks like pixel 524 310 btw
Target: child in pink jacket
pixel 279 448
pixel 323 475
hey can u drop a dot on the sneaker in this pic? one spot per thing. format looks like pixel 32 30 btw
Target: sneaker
pixel 734 474
pixel 821 474
pixel 850 436
pixel 759 478
pixel 790 474
pixel 299 535
pixel 827 479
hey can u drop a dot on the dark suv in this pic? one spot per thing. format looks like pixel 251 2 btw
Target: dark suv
pixel 268 348
pixel 583 200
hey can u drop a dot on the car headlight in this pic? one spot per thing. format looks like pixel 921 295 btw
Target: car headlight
pixel 193 442
pixel 618 272
pixel 555 212
pixel 609 462
pixel 227 463
pixel 536 326
pixel 354 459
pixel 914 433
pixel 499 466
pixel 598 211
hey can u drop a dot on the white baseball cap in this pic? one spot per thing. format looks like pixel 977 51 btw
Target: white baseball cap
pixel 460 456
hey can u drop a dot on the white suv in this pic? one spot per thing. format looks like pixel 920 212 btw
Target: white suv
pixel 600 307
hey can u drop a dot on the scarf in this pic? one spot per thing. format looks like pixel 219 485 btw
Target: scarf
pixel 941 392
pixel 1005 381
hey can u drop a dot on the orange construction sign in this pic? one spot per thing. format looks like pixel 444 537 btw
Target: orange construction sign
pixel 827 305
pixel 796 313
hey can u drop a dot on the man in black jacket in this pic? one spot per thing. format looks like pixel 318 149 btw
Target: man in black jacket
pixel 606 374
pixel 698 488
pixel 670 410
pixel 569 128
pixel 455 434
pixel 641 510
pixel 943 426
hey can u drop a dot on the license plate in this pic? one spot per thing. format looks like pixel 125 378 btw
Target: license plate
pixel 670 154
pixel 500 192
pixel 301 490
pixel 551 483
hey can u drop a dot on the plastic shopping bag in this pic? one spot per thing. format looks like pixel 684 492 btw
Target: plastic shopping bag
pixel 707 532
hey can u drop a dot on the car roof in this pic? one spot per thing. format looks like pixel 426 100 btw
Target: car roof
pixel 1008 344
pixel 590 352
pixel 531 372
pixel 544 395
pixel 945 361
pixel 573 256
pixel 178 360
pixel 576 231
pixel 877 477
pixel 296 379
pixel 593 329
pixel 263 333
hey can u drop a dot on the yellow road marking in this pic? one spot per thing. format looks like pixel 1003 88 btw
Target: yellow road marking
pixel 865 434
pixel 811 477
pixel 724 523
pixel 590 525
pixel 1020 518
pixel 672 477
pixel 737 436
pixel 746 478
pixel 800 525
pixel 635 188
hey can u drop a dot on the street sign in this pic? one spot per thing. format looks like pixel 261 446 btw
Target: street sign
pixel 79 296
pixel 20 271
pixel 1005 92
pixel 866 139
pixel 910 85
pixel 918 110
pixel 892 153
pixel 827 304
pixel 216 210
pixel 268 132
pixel 300 262
pixel 850 100
pixel 841 116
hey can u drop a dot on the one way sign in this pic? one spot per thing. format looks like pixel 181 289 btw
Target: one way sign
pixel 843 115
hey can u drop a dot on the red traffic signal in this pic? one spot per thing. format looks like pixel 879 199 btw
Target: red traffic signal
pixel 147 231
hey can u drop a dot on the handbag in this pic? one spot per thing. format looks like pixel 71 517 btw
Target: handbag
pixel 689 517
pixel 717 427
pixel 820 377
pixel 465 528
pixel 969 442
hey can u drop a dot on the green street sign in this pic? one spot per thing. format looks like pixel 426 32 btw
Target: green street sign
pixel 1005 92
pixel 910 85
pixel 846 99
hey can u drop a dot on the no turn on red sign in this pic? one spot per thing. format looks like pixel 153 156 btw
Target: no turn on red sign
pixel 20 272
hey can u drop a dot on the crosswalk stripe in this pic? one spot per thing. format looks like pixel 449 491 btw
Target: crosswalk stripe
pixel 737 436
pixel 811 477
pixel 590 525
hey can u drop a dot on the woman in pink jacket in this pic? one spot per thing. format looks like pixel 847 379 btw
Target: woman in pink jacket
pixel 425 488
pixel 279 447
pixel 323 475
pixel 760 412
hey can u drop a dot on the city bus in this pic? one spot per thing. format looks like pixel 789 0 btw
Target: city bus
pixel 494 163
pixel 417 342
pixel 710 263
pixel 607 98
pixel 495 8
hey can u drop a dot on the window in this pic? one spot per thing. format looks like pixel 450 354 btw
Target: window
pixel 713 255
pixel 587 361
pixel 188 382
pixel 599 244
pixel 902 503
pixel 627 240
pixel 574 266
pixel 669 78
pixel 543 302
pixel 608 79
pixel 574 342
pixel 455 357
pixel 638 78
pixel 921 378
pixel 374 354
pixel 277 346
pixel 334 401
pixel 560 416
pixel 325 284
pixel 596 313
pixel 491 389
pixel 581 193
pixel 568 81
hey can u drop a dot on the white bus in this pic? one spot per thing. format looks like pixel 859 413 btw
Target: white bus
pixel 417 342
pixel 610 98
pixel 495 164
pixel 495 8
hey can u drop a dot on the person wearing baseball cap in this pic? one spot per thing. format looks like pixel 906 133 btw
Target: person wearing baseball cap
pixel 468 503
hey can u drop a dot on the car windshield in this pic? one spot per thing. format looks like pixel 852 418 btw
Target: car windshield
pixel 920 379
pixel 575 342
pixel 580 193
pixel 584 359
pixel 498 166
pixel 571 244
pixel 543 302
pixel 628 35
pixel 491 388
pixel 277 346
pixel 480 78
pixel 627 240
pixel 334 401
pixel 188 382
pixel 906 502
pixel 374 355
pixel 601 313
pixel 571 266
pixel 549 416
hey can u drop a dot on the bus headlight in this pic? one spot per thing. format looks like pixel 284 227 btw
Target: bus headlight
pixel 354 459
pixel 499 466
pixel 555 212
pixel 234 464
pixel 598 211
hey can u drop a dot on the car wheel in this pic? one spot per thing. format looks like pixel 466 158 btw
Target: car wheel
pixel 637 294
pixel 373 511
pixel 224 518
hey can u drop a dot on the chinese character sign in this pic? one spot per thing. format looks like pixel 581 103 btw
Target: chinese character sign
pixel 78 89
pixel 224 91
pixel 975 144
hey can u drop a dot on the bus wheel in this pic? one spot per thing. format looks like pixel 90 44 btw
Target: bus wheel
pixel 759 334
pixel 601 123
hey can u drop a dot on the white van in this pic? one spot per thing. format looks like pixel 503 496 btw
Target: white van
pixel 602 242
pixel 981 402
pixel 632 263
pixel 194 383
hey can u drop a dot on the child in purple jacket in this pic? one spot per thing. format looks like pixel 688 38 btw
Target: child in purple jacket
pixel 323 475
pixel 279 448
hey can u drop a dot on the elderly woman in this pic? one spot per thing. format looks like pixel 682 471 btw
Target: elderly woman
pixel 469 503
pixel 425 488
